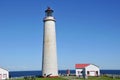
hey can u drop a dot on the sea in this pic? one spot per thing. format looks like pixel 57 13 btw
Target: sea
pixel 39 73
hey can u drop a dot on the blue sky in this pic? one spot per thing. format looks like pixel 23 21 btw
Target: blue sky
pixel 88 31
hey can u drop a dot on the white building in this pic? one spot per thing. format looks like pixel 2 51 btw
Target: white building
pixel 87 70
pixel 4 74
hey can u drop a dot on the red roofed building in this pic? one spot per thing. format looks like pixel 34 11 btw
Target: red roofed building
pixel 81 65
pixel 87 70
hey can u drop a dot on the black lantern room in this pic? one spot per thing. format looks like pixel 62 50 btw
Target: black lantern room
pixel 49 11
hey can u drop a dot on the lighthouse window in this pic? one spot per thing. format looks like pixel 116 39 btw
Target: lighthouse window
pixel 49 14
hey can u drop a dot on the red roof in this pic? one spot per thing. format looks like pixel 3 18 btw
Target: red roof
pixel 81 65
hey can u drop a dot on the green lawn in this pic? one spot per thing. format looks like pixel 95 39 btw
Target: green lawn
pixel 102 78
pixel 51 79
pixel 72 78
pixel 59 78
pixel 91 78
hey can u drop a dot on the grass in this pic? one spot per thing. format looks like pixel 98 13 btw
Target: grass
pixel 91 78
pixel 73 78
pixel 102 78
pixel 59 78
pixel 51 78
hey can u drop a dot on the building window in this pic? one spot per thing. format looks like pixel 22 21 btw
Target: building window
pixel 96 73
pixel 88 72
pixel 78 72
pixel 4 75
pixel 81 71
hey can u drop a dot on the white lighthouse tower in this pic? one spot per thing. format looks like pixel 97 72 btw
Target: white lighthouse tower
pixel 49 59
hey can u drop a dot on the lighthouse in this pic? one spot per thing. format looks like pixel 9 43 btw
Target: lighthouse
pixel 49 56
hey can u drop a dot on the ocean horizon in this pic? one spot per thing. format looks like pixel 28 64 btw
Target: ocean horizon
pixel 39 72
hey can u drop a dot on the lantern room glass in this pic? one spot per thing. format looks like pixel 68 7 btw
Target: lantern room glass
pixel 49 12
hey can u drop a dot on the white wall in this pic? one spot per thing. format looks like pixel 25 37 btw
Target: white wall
pixel 78 72
pixel 49 61
pixel 4 74
pixel 92 70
